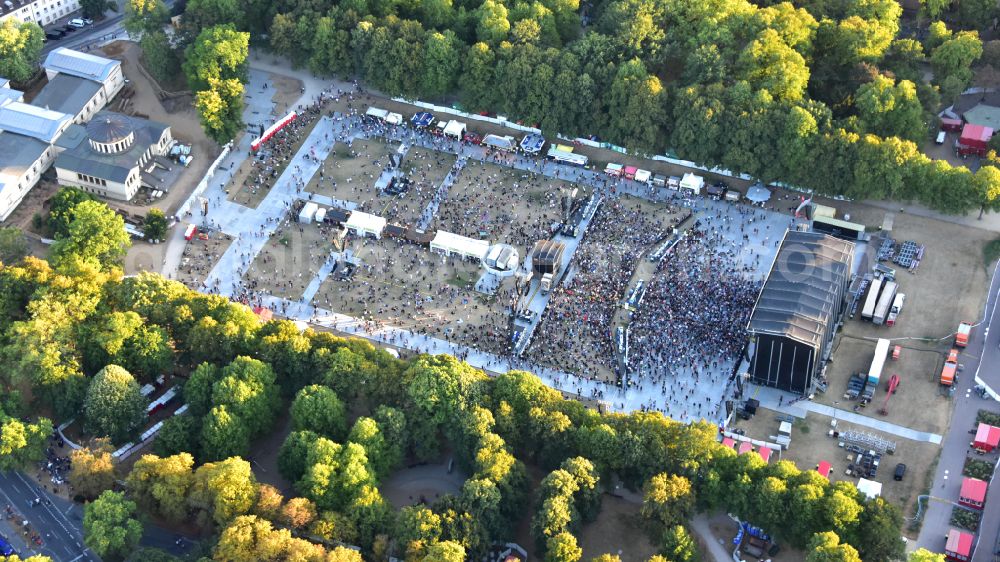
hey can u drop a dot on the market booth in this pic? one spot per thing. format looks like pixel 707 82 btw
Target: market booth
pixel 692 183
pixel 959 546
pixel 364 224
pixel 987 438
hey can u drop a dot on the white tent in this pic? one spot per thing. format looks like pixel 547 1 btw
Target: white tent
pixel 308 212
pixel 394 119
pixel 321 214
pixel 692 182
pixel 498 142
pixel 450 243
pixel 642 176
pixel 870 488
pixel 377 113
pixel 364 224
pixel 455 129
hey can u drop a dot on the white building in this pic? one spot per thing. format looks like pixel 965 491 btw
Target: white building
pixel 449 243
pixel 365 224
pixel 80 84
pixel 32 136
pixel 42 12
pixel 116 156
pixel 27 135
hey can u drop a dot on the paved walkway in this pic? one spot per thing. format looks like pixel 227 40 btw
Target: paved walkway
pixel 769 398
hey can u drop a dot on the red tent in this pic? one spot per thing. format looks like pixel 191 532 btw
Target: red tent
pixel 959 545
pixel 973 493
pixel 728 442
pixel 987 438
pixel 824 468
pixel 745 447
pixel 630 172
pixel 765 453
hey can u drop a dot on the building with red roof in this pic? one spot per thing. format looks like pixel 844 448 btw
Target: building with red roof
pixel 987 438
pixel 959 546
pixel 824 468
pixel 973 493
pixel 975 139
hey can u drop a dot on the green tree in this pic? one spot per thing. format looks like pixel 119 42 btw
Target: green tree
pixel 769 64
pixel 954 57
pixel 667 499
pixel 334 527
pixel 202 14
pixel 198 388
pixel 562 547
pixel 221 109
pixel 294 453
pixel 976 14
pixel 223 435
pixel 114 407
pixel 109 526
pixel 160 485
pixel 155 225
pixel 416 528
pixel 679 545
pixel 891 110
pixel 986 183
pixel 477 76
pixel 370 513
pixel 636 101
pixel 441 65
pixel 96 8
pixel 13 245
pixel 224 490
pixel 879 531
pixel 218 54
pixel 96 236
pixel 62 209
pixel 22 442
pixel 92 470
pixel 366 432
pixel 179 434
pixel 247 388
pixel 826 547
pixel 444 551
pixel 317 408
pixel 924 555
pixel 20 47
pixel 145 16
pixel 492 25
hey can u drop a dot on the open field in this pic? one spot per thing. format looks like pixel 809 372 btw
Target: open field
pixel 810 444
pixel 617 530
pixel 200 256
pixel 918 402
pixel 407 286
pixel 424 483
pixel 290 259
pixel 500 204
pixel 350 172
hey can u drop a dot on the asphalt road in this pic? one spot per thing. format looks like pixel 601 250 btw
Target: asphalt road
pixel 981 358
pixel 59 522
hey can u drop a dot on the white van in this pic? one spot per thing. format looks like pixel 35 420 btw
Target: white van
pixel 940 138
pixel 77 23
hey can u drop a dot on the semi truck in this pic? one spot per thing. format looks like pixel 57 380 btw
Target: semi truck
pixel 962 335
pixel 950 368
pixel 885 301
pixel 897 307
pixel 871 299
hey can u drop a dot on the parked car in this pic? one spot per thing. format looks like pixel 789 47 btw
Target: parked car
pixel 67 29
pixel 54 34
pixel 900 471
pixel 77 23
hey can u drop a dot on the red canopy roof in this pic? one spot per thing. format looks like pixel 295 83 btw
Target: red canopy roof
pixel 973 489
pixel 765 453
pixel 959 543
pixel 745 447
pixel 728 442
pixel 824 468
pixel 987 436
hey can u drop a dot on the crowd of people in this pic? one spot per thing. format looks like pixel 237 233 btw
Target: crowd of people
pixel 575 333
pixel 407 286
pixel 501 205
